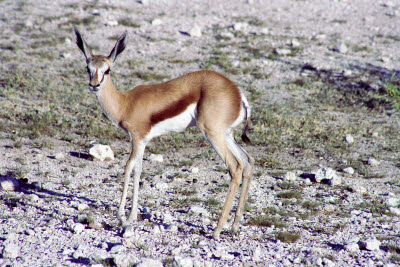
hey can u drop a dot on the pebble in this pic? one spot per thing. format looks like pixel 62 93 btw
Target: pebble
pixel 352 246
pixel 240 26
pixel 156 158
pixel 117 249
pixel 195 31
pixel 11 251
pixel 349 170
pixel 59 156
pixel 395 211
pixel 290 177
pixel 373 162
pixel 111 23
pixel 359 189
pixel 149 263
pixel 102 152
pixel 156 22
pixel 349 138
pixel 77 228
pixel 198 210
pixel 82 206
pixel 341 48
pixel 392 202
pixel 282 51
pixel 9 184
pixel 182 262
pixel 370 244
pixel 295 43
pixel 125 260
pixel 194 170
pixel 328 174
pixel 336 180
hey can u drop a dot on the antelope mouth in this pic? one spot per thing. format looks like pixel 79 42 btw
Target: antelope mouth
pixel 94 89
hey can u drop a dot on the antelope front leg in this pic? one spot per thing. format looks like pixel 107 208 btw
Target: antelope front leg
pixel 134 163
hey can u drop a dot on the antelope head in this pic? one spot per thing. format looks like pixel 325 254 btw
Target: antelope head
pixel 99 67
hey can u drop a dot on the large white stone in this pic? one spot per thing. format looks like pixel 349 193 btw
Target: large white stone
pixel 325 174
pixel 370 244
pixel 11 251
pixel 156 158
pixel 9 184
pixel 102 152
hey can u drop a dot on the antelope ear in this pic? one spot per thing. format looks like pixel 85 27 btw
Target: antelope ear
pixel 83 46
pixel 118 48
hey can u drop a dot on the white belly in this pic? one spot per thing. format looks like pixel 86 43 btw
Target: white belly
pixel 176 124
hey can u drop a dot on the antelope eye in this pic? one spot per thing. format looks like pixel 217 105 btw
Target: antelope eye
pixel 107 71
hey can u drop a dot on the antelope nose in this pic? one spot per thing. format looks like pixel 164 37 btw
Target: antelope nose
pixel 94 85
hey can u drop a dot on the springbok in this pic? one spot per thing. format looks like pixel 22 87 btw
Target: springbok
pixel 203 98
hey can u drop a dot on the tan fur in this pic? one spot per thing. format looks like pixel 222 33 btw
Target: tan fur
pixel 218 106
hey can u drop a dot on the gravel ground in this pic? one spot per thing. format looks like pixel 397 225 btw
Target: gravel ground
pixel 310 213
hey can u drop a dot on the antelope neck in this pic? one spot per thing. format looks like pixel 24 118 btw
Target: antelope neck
pixel 111 102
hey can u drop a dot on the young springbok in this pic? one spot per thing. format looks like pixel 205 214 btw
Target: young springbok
pixel 202 98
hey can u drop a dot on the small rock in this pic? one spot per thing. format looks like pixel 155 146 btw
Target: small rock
pixel 325 174
pixel 117 249
pixel 282 51
pixel 392 202
pixel 102 152
pixel 161 185
pixel 327 262
pixel 341 48
pixel 373 162
pixel 96 225
pixel 349 138
pixel 77 228
pixel 348 170
pixel 156 158
pixel 290 176
pixel 149 263
pixel 264 30
pixel 30 232
pixel 198 210
pixel 336 180
pixel 395 211
pixel 370 244
pixel 82 206
pixel 172 228
pixel 59 156
pixel 9 184
pixel 28 23
pixel 295 43
pixel 195 31
pixel 240 26
pixel 182 262
pixel 352 247
pixel 396 226
pixel 375 134
pixel 347 73
pixel 144 2
pixel 194 170
pixel 34 198
pixel 156 22
pixel 111 23
pixel 156 230
pixel 11 251
pixel 125 260
pixel 359 189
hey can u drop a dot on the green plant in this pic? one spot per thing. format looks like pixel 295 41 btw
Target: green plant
pixel 287 237
pixel 393 92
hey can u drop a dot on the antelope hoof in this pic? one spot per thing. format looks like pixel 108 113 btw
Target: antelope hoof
pixel 127 231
